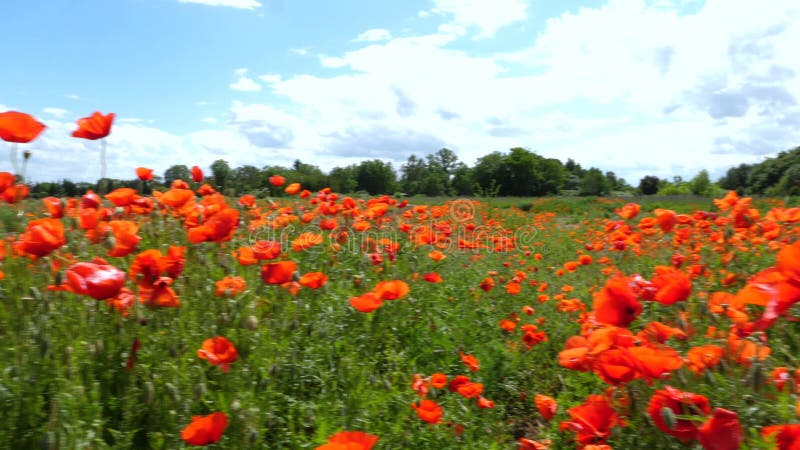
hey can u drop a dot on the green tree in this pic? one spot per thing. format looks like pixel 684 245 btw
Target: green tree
pixel 376 177
pixel 343 179
pixel 222 174
pixel 413 173
pixel 649 185
pixel 594 182
pixel 701 184
pixel 735 178
pixel 246 179
pixel 176 172
pixel 463 180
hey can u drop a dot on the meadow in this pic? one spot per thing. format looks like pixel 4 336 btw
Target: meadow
pixel 318 320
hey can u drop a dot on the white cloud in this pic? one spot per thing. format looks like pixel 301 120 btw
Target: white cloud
pixel 374 35
pixel 245 84
pixel 240 4
pixel 634 87
pixel 211 120
pixel 487 16
pixel 299 51
pixel 615 87
pixel 57 112
pixel 332 62
pixel 270 78
pixel 73 96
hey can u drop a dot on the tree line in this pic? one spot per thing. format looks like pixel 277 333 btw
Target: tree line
pixel 518 172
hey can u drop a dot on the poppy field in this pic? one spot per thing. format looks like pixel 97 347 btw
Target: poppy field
pixel 325 321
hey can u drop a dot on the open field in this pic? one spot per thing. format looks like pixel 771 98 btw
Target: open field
pixel 569 323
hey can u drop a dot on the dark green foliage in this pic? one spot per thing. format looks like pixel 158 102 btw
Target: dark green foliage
pixel 649 185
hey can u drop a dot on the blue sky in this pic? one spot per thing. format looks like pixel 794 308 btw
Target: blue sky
pixel 664 87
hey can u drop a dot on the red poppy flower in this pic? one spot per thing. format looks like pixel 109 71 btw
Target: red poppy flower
pixel 279 272
pixel 219 351
pixel 786 436
pixel 471 362
pixel 367 302
pixel 433 277
pixel 313 280
pixel 546 406
pixel 55 207
pixel 391 290
pixel 15 193
pixel 672 285
pixel 592 421
pixel 722 431
pixel 19 127
pixel 125 237
pixel 438 380
pixel 144 173
pixel 218 228
pixel 97 279
pixel 197 174
pixel 205 430
pixel 350 440
pixel 616 303
pixel 484 403
pixel 277 180
pixel 161 295
pixel 42 237
pixel 121 196
pixel 96 126
pixel 679 403
pixel 429 411
pixel 230 287
pixel 293 188
pixel 247 201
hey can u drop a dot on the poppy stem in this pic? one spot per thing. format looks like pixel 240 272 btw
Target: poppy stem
pixel 103 165
pixel 13 157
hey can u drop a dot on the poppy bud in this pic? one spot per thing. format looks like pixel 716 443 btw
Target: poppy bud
pixel 669 417
pixel 68 355
pixel 35 293
pixel 199 391
pixel 49 441
pixel 149 392
pixel 173 392
pixel 251 323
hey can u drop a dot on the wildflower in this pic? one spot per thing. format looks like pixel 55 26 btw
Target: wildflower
pixel 205 430
pixel 219 351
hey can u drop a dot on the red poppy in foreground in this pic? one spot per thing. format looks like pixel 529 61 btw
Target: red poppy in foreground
pixel 592 421
pixel 97 279
pixel 96 126
pixel 279 272
pixel 42 237
pixel 205 430
pixel 673 402
pixel 786 436
pixel 197 174
pixel 19 127
pixel 616 303
pixel 144 173
pixel 350 440
pixel 722 431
